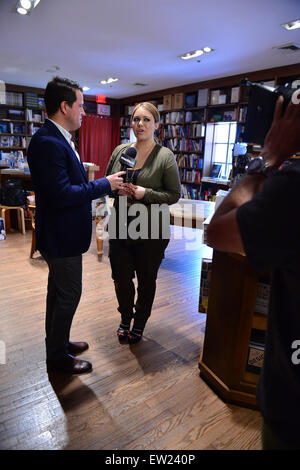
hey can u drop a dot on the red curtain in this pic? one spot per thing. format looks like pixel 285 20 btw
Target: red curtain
pixel 98 136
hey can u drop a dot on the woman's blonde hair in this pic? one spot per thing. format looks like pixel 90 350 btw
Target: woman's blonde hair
pixel 149 107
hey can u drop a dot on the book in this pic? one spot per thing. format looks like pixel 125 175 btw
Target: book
pixel 214 96
pixel 206 270
pixel 32 100
pixel 190 100
pixel 202 97
pixel 215 171
pixel 229 115
pixel 235 91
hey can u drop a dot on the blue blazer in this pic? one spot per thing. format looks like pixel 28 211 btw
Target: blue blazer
pixel 63 194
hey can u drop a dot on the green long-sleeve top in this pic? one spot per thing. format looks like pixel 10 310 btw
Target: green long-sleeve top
pixel 159 176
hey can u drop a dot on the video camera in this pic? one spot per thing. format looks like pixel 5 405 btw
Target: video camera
pixel 261 106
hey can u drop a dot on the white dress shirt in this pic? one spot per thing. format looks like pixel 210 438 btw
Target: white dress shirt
pixel 67 136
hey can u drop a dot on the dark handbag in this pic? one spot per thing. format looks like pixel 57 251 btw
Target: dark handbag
pixel 13 193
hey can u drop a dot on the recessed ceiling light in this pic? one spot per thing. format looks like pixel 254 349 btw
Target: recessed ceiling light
pixel 192 54
pixel 24 7
pixel 109 80
pixel 25 4
pixel 85 88
pixel 21 11
pixel 291 25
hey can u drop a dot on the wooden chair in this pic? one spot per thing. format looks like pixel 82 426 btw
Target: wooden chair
pixel 20 213
pixel 31 210
pixel 103 210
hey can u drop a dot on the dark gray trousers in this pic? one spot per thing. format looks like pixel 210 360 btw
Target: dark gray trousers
pixel 141 259
pixel 63 296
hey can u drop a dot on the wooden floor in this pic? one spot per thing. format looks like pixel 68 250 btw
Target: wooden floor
pixel 145 396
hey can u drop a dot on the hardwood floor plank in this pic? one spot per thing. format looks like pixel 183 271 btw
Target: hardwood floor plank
pixel 144 396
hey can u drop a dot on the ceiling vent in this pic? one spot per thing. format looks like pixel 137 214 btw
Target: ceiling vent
pixel 288 48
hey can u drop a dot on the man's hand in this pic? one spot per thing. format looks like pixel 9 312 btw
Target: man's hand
pixel 116 182
pixel 283 138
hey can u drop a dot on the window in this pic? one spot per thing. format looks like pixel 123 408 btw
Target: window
pixel 222 138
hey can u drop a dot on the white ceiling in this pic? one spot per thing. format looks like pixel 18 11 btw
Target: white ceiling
pixel 140 41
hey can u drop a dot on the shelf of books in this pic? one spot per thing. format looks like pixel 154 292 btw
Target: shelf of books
pixel 21 115
pixel 183 132
pixel 185 117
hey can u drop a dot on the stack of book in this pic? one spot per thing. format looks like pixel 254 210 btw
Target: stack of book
pixel 174 117
pixel 14 99
pixel 205 285
pixel 32 100
pixel 195 130
pixel 192 176
pixel 190 161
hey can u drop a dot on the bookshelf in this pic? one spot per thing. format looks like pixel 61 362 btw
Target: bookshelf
pixel 183 108
pixel 21 115
pixel 183 132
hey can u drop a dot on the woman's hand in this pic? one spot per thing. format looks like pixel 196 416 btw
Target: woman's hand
pixel 138 191
pixel 126 190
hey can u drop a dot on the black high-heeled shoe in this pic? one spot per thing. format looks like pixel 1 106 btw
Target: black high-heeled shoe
pixel 134 335
pixel 122 332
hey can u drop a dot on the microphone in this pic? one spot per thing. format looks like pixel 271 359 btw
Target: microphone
pixel 127 160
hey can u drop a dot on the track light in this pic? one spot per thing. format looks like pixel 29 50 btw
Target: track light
pixel 24 7
pixel 192 54
pixel 291 25
pixel 109 80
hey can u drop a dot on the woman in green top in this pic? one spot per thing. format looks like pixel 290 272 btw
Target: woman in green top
pixel 154 184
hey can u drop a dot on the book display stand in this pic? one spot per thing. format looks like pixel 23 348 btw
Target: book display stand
pixel 232 354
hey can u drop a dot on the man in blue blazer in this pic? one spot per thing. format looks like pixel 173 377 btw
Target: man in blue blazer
pixel 63 220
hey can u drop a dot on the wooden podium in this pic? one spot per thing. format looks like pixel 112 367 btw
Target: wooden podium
pixel 231 318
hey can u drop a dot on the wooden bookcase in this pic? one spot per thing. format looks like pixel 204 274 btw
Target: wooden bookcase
pixel 183 132
pixel 21 114
pixel 231 321
pixel 226 100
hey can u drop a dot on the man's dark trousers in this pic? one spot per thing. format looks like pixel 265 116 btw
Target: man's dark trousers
pixel 63 296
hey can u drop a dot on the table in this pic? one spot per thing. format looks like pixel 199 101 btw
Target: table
pixel 8 173
pixel 16 173
pixel 191 212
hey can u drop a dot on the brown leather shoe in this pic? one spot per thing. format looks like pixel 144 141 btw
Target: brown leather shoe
pixel 77 348
pixel 69 365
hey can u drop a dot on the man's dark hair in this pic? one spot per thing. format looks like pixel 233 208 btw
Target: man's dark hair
pixel 58 90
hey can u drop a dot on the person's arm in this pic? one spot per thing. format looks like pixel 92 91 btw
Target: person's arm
pixel 52 177
pixel 171 190
pixel 223 231
pixel 282 141
pixel 117 191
